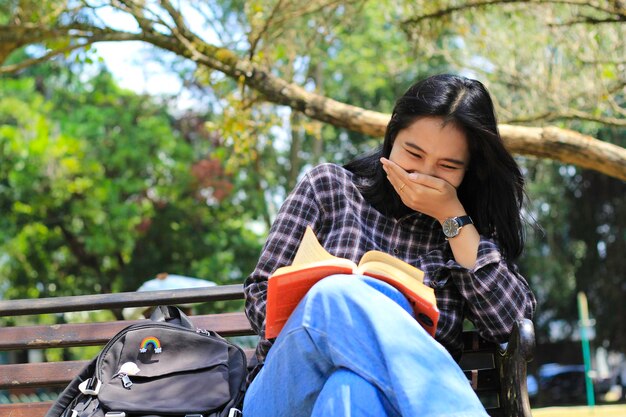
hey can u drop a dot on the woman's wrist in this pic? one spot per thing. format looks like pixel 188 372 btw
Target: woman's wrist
pixel 464 246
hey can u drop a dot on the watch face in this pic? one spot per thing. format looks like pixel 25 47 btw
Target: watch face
pixel 450 227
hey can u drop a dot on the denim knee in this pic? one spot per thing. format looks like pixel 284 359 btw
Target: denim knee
pixel 355 287
pixel 347 394
pixel 334 285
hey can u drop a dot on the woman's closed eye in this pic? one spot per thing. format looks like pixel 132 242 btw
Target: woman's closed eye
pixel 414 155
pixel 450 167
pixel 444 165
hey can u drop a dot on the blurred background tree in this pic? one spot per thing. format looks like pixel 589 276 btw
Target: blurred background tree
pixel 100 191
pixel 103 187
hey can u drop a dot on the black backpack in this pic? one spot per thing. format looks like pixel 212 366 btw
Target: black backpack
pixel 162 367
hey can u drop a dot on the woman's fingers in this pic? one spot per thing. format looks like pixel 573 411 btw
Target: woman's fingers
pixel 421 192
pixel 397 176
pixel 426 180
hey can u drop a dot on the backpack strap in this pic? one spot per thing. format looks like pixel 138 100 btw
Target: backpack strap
pixel 71 391
pixel 171 314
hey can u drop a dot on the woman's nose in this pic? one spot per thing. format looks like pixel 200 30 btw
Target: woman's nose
pixel 429 169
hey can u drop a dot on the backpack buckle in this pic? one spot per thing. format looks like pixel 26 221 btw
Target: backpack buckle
pixel 90 386
pixel 235 412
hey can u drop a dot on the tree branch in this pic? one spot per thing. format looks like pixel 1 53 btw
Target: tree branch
pixel 566 146
pixel 257 38
pixel 315 8
pixel 616 107
pixel 136 11
pixel 588 20
pixel 28 34
pixel 78 249
pixel 8 69
pixel 570 114
pixel 551 142
pixel 486 3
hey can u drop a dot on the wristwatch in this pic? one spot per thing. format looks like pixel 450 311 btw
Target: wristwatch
pixel 452 225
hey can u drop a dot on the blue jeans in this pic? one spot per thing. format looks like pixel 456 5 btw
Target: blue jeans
pixel 352 348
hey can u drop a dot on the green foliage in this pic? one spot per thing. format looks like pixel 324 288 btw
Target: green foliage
pixel 600 225
pixel 580 246
pixel 551 257
pixel 98 194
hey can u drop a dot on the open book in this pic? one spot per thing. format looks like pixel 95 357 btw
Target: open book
pixel 288 284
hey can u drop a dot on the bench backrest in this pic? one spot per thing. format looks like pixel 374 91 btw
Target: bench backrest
pixel 494 374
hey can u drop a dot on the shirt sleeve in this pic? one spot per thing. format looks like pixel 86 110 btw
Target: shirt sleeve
pixel 300 209
pixel 496 294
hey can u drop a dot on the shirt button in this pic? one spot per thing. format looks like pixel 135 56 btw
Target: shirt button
pixel 396 251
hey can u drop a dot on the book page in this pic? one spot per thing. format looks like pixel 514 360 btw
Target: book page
pixel 394 263
pixel 383 270
pixel 345 266
pixel 311 250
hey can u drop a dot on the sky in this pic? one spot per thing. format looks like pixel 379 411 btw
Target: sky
pixel 136 67
pixel 133 64
pixel 130 64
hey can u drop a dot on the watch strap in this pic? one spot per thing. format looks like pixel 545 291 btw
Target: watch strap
pixel 464 220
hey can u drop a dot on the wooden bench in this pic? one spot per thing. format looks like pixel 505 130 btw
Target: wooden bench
pixel 498 376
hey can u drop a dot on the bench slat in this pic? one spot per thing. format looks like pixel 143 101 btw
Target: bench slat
pixel 483 379
pixel 39 374
pixel 474 343
pixel 25 409
pixel 477 360
pixel 47 374
pixel 88 334
pixel 120 300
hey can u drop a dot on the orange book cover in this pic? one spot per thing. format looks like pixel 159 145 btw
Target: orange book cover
pixel 288 284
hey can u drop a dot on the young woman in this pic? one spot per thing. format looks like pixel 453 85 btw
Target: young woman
pixel 443 194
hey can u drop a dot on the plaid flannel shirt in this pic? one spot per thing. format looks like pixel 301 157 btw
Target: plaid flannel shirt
pixel 493 295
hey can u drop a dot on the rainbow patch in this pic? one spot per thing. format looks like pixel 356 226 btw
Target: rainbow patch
pixel 150 340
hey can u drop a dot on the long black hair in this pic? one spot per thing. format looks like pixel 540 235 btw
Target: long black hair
pixel 492 191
